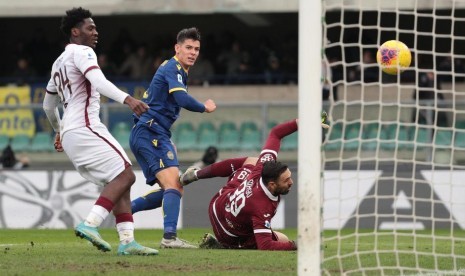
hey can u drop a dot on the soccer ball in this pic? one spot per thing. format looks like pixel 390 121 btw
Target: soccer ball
pixel 393 57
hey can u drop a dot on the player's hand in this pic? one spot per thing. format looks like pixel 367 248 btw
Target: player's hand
pixel 57 144
pixel 210 106
pixel 136 106
pixel 324 118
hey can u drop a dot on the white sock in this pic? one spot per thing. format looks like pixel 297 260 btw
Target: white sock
pixel 96 216
pixel 125 231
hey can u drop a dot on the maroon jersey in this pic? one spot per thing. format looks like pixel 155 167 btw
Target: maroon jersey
pixel 242 210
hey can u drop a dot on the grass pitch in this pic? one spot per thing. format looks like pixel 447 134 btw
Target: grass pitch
pixel 59 252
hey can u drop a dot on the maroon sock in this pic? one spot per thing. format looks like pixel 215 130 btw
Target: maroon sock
pixel 221 169
pixel 124 217
pixel 105 203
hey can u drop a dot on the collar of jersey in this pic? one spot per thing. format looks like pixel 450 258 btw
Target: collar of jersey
pixel 267 192
pixel 185 70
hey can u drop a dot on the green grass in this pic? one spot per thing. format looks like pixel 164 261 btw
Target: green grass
pixel 59 252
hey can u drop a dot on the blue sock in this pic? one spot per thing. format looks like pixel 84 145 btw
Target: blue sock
pixel 171 206
pixel 149 201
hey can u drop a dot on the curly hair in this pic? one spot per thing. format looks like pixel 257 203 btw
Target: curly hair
pixel 191 33
pixel 74 18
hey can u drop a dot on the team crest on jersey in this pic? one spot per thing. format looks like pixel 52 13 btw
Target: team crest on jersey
pixel 170 155
pixel 180 78
pixel 267 157
pixel 267 224
pixel 178 66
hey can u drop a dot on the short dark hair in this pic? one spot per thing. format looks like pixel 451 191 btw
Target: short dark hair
pixel 190 33
pixel 74 17
pixel 272 170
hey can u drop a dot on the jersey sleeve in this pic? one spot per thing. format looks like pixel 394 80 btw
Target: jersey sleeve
pixel 85 59
pixel 51 87
pixel 264 235
pixel 50 104
pixel 175 80
pixel 273 144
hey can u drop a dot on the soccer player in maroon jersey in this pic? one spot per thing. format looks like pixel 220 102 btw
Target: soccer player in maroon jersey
pixel 241 212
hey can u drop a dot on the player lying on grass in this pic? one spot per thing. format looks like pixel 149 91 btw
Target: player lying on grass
pixel 241 212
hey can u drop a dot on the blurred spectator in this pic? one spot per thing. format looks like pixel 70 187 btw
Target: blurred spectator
pixel 370 67
pixel 209 157
pixel 447 68
pixel 157 61
pixel 121 47
pixel 23 73
pixel 367 71
pixel 429 98
pixel 336 70
pixel 108 68
pixel 137 65
pixel 245 73
pixel 231 60
pixel 39 50
pixel 288 54
pixel 8 160
pixel 236 61
pixel 203 72
pixel 260 54
pixel 273 72
pixel 326 77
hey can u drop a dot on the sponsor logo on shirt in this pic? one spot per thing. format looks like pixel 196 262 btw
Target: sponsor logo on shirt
pixel 230 224
pixel 248 188
pixel 90 56
pixel 170 155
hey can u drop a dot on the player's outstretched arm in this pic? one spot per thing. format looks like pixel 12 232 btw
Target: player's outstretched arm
pixel 108 89
pixel 137 106
pixel 273 142
pixel 190 103
pixel 222 168
pixel 265 242
pixel 210 106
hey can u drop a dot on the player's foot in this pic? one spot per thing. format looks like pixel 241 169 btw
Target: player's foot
pixel 210 242
pixel 175 243
pixel 91 234
pixel 188 176
pixel 133 248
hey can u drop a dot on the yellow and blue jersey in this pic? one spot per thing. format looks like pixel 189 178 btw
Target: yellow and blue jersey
pixel 169 78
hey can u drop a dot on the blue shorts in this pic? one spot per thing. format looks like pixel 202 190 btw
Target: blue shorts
pixel 153 149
